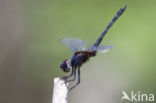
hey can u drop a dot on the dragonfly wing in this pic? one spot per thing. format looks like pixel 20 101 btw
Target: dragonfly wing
pixel 102 49
pixel 74 44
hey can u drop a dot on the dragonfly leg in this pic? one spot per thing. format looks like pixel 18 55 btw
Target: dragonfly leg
pixel 66 77
pixel 74 77
pixel 77 81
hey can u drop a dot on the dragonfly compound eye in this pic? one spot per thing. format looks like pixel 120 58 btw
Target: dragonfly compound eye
pixel 65 66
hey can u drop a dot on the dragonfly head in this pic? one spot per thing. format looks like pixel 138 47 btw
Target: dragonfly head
pixel 65 66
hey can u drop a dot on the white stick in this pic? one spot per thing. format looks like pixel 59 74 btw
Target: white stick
pixel 60 91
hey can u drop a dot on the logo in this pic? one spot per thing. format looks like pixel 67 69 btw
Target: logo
pixel 138 96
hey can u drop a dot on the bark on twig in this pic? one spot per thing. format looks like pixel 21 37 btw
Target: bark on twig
pixel 60 91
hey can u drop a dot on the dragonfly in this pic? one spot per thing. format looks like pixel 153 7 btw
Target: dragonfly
pixel 82 55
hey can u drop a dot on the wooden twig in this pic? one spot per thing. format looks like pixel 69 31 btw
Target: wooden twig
pixel 60 91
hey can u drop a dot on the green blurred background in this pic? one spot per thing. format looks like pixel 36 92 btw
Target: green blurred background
pixel 31 49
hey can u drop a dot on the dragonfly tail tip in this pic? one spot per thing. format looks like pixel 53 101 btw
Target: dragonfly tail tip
pixel 125 6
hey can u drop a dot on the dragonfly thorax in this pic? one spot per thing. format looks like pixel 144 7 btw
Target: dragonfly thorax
pixel 81 57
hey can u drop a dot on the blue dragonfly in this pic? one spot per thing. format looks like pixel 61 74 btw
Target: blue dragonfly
pixel 82 55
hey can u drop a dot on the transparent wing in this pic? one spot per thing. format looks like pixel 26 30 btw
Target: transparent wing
pixel 102 49
pixel 74 44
